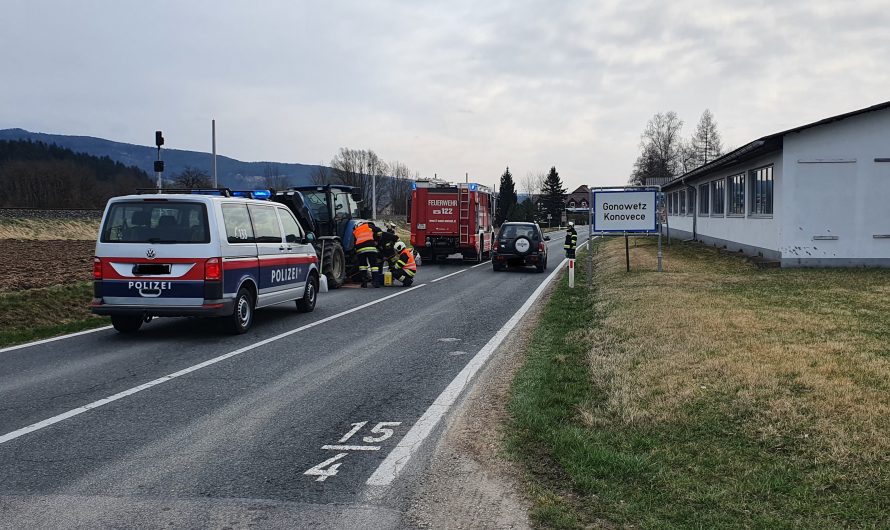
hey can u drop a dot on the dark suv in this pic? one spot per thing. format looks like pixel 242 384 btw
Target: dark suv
pixel 520 244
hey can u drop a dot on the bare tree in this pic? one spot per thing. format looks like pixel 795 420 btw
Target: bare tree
pixel 193 178
pixel 354 167
pixel 660 156
pixel 321 175
pixel 273 179
pixel 532 183
pixel 398 186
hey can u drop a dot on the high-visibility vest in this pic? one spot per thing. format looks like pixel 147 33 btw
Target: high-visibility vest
pixel 406 261
pixel 362 234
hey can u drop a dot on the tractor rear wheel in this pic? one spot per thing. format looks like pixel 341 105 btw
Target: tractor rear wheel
pixel 334 264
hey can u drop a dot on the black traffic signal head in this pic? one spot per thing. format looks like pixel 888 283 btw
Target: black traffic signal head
pixel 159 138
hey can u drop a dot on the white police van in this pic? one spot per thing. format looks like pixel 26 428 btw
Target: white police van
pixel 200 253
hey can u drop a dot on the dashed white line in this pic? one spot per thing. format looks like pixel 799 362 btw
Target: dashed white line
pixel 129 392
pixel 398 458
pixel 449 275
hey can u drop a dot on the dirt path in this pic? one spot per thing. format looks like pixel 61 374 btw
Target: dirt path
pixel 470 482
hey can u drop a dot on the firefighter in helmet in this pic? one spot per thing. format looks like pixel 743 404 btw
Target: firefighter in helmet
pixel 366 255
pixel 405 267
pixel 571 240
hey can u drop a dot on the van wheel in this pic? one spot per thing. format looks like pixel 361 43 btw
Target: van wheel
pixel 310 296
pixel 126 323
pixel 242 315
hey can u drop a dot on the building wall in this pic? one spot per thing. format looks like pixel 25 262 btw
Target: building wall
pixel 834 188
pixel 751 234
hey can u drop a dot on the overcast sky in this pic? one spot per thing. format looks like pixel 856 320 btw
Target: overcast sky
pixel 445 87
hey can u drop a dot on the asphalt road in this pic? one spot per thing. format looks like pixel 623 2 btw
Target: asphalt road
pixel 228 443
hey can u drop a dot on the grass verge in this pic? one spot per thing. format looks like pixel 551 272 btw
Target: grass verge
pixel 35 314
pixel 714 395
pixel 49 229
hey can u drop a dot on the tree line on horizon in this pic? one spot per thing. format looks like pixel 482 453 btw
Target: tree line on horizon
pixel 37 175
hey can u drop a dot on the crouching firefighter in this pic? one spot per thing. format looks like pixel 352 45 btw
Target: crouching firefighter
pixel 571 241
pixel 405 267
pixel 367 257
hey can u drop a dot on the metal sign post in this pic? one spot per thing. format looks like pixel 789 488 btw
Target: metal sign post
pixel 159 164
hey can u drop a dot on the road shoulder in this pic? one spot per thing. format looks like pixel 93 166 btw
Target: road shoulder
pixel 470 481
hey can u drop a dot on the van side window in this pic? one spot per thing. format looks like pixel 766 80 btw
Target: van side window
pixel 292 232
pixel 265 224
pixel 238 227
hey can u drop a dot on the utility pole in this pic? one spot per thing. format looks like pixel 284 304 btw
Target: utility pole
pixel 213 132
pixel 373 198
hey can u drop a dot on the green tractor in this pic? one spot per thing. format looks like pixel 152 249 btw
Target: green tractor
pixel 330 212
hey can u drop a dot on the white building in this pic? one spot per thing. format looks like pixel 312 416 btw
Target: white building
pixel 814 196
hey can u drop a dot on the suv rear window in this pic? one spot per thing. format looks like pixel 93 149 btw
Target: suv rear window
pixel 156 222
pixel 513 231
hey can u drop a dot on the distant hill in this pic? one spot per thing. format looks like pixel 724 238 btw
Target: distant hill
pixel 232 173
pixel 37 175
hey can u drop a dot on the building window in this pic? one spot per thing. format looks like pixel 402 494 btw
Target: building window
pixel 704 199
pixel 718 192
pixel 584 204
pixel 572 204
pixel 737 194
pixel 762 191
pixel 682 200
pixel 690 201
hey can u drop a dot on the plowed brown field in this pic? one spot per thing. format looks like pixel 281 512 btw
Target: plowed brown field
pixel 31 264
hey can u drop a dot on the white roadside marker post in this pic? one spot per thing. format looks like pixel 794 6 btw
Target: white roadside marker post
pixel 572 273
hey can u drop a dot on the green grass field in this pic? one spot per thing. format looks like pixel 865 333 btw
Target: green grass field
pixel 40 313
pixel 713 395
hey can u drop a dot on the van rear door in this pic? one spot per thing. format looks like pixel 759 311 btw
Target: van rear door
pixel 152 252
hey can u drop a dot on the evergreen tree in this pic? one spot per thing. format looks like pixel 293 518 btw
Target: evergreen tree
pixel 553 196
pixel 706 144
pixel 506 199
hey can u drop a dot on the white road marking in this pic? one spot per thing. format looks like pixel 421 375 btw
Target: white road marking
pixel 351 447
pixel 449 275
pixel 322 473
pixel 53 339
pixel 457 352
pixel 120 395
pixel 398 458
pixel 448 339
pixel 481 264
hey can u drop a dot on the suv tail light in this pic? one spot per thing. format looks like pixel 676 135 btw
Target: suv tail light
pixel 541 246
pixel 497 244
pixel 213 269
pixel 97 269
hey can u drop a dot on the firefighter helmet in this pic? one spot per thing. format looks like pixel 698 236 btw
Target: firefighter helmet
pixel 399 246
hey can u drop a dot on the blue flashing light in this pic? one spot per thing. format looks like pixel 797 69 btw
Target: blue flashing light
pixel 413 185
pixel 262 194
pixel 473 187
pixel 242 194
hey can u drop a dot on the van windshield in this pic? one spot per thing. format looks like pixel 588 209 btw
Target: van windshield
pixel 156 222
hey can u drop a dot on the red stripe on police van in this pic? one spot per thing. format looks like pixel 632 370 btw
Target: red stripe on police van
pixel 195 273
pixel 240 263
pixel 276 261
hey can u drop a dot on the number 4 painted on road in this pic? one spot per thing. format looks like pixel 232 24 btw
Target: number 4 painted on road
pixel 323 473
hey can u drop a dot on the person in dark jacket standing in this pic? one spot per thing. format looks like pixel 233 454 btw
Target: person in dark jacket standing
pixel 571 241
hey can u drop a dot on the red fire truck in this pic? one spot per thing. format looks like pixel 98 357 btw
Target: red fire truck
pixel 449 219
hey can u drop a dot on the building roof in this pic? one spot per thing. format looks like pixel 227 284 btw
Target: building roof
pixel 766 144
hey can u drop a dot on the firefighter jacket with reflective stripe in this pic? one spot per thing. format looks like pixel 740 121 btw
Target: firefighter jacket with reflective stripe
pixel 364 238
pixel 406 262
pixel 571 240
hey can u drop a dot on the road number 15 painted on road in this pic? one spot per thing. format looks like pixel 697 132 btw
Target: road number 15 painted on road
pixel 329 467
